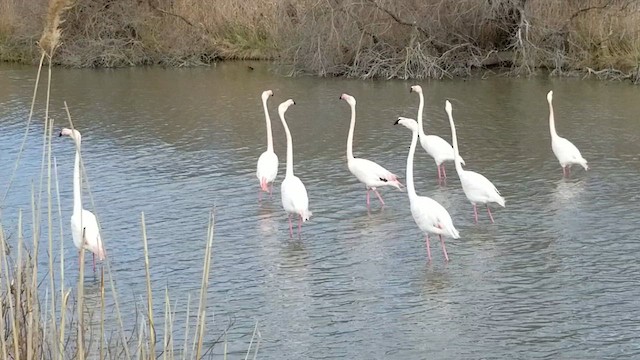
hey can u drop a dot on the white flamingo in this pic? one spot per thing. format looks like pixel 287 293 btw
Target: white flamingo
pixel 567 153
pixel 429 215
pixel 438 148
pixel 477 188
pixel 294 194
pixel 268 160
pixel 84 226
pixel 369 173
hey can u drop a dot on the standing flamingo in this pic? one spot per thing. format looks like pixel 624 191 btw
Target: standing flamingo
pixel 477 188
pixel 429 215
pixel 369 173
pixel 294 194
pixel 84 225
pixel 268 160
pixel 438 148
pixel 567 153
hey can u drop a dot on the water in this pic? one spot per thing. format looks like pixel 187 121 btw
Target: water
pixel 555 277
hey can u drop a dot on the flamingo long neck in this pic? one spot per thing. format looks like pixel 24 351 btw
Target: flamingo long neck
pixel 456 153
pixel 352 127
pixel 411 189
pixel 552 122
pixel 77 192
pixel 420 110
pixel 268 120
pixel 289 146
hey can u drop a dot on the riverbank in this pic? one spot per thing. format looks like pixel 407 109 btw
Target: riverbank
pixel 365 39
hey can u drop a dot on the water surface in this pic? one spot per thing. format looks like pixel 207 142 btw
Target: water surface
pixel 555 277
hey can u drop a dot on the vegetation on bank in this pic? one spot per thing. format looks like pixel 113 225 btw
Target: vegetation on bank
pixel 354 38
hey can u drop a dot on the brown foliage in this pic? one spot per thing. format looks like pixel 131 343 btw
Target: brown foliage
pixel 355 38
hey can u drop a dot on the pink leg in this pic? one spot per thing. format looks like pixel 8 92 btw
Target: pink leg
pixel 444 172
pixel 475 213
pixel 569 170
pixel 260 195
pixel 444 248
pixel 93 256
pixel 299 226
pixel 290 227
pixel 379 197
pixel 428 248
pixel 439 173
pixel 489 211
pixel 564 171
pixel 367 198
pixel 271 191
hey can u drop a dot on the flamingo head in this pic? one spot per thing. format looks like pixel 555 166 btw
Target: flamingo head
pixel 416 89
pixel 266 94
pixel 550 96
pixel 349 99
pixel 408 123
pixel 72 133
pixel 447 107
pixel 282 108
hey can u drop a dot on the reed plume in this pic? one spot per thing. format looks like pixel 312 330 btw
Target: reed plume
pixel 51 33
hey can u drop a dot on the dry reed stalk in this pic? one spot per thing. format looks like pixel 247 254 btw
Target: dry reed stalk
pixel 201 319
pixel 3 342
pixel 152 330
pixel 63 316
pixel 18 291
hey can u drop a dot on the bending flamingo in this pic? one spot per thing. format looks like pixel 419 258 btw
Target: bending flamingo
pixel 438 148
pixel 429 215
pixel 294 194
pixel 477 188
pixel 567 153
pixel 369 173
pixel 84 225
pixel 268 160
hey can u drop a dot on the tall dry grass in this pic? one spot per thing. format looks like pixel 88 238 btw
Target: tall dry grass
pixel 42 318
pixel 355 38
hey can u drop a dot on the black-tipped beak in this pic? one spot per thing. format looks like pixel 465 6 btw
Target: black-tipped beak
pixel 294 103
pixel 340 97
pixel 397 122
pixel 271 94
pixel 410 89
pixel 60 134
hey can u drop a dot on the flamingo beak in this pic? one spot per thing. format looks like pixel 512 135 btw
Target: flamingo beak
pixel 397 122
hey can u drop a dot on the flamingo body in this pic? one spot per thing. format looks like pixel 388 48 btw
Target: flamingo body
pixel 371 174
pixel 366 171
pixel 84 225
pixel 294 197
pixel 432 218
pixel 477 188
pixel 85 233
pixel 566 153
pixel 429 215
pixel 438 148
pixel 267 169
pixel 293 192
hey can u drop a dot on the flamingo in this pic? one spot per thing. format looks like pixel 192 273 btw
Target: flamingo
pixel 268 160
pixel 438 148
pixel 84 225
pixel 294 194
pixel 367 172
pixel 567 153
pixel 477 188
pixel 429 215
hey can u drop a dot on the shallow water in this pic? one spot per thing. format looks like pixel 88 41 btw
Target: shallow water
pixel 555 277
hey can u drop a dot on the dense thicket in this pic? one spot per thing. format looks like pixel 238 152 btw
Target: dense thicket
pixel 356 38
